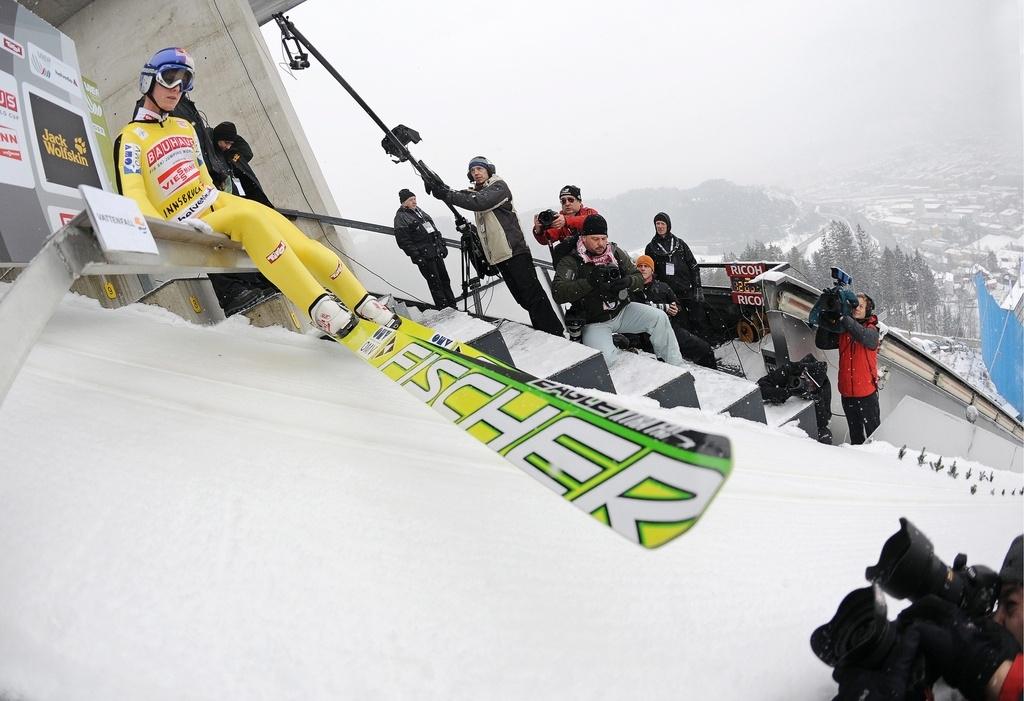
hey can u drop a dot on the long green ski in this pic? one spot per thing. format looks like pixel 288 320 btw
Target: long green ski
pixel 647 479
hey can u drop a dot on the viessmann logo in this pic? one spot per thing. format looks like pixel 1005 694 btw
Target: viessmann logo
pixel 57 146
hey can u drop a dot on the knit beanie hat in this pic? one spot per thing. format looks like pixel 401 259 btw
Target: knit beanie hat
pixel 483 163
pixel 225 131
pixel 405 194
pixel 570 190
pixel 661 216
pixel 1012 570
pixel 645 260
pixel 594 224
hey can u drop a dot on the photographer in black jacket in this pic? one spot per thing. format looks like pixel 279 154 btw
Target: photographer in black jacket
pixel 596 279
pixel 237 153
pixel 421 241
pixel 659 295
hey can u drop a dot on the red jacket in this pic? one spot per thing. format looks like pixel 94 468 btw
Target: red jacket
pixel 858 364
pixel 1013 685
pixel 573 225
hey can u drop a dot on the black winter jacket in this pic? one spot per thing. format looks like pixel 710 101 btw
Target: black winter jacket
pixel 238 157
pixel 657 294
pixel 417 236
pixel 572 285
pixel 671 249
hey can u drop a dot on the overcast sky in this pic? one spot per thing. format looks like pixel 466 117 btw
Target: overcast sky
pixel 617 96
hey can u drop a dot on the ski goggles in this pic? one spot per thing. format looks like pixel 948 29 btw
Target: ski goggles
pixel 172 76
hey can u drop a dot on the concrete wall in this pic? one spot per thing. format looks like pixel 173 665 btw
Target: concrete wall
pixel 237 80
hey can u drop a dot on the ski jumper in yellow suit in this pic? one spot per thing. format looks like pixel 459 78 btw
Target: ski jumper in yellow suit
pixel 161 167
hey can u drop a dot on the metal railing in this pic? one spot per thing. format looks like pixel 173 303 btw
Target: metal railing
pixel 471 290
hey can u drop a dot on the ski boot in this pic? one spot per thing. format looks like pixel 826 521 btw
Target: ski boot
pixel 374 310
pixel 330 317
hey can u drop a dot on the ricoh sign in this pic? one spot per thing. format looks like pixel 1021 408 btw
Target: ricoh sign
pixel 745 292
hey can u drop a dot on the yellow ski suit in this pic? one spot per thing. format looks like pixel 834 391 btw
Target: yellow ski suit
pixel 161 167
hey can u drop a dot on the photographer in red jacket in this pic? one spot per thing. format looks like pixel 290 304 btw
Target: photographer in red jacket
pixel 858 366
pixel 560 232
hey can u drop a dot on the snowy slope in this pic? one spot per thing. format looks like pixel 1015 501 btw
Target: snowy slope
pixel 229 512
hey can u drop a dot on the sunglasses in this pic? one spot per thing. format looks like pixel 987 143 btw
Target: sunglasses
pixel 567 200
pixel 172 77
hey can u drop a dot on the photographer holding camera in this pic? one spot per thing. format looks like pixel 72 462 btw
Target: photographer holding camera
pixel 559 230
pixel 504 246
pixel 855 335
pixel 596 278
pixel 947 632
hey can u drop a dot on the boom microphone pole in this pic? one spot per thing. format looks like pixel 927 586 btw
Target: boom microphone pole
pixel 472 249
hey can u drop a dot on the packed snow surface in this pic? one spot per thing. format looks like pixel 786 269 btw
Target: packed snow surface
pixel 230 512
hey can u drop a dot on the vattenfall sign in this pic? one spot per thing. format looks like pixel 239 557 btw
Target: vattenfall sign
pixel 743 291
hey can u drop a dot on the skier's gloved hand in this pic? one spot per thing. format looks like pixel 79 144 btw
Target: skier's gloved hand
pixel 890 682
pixel 965 651
pixel 199 225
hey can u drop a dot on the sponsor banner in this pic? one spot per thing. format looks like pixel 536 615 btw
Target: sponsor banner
pixel 59 216
pixel 118 222
pixel 63 146
pixel 15 168
pixel 750 299
pixel 11 46
pixel 53 70
pixel 745 270
pixel 99 126
pixel 743 291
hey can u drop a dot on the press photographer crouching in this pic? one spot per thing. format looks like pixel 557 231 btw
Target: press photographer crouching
pixel 596 279
pixel 949 632
pixel 853 330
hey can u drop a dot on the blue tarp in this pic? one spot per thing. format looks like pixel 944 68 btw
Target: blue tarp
pixel 1002 346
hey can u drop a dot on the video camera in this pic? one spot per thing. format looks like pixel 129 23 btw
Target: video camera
pixel 860 633
pixel 835 302
pixel 802 378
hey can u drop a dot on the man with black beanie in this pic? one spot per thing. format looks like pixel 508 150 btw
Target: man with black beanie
pixel 490 200
pixel 596 278
pixel 419 238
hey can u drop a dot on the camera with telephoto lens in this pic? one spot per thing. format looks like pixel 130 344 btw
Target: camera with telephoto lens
pixel 547 217
pixel 860 634
pixel 604 275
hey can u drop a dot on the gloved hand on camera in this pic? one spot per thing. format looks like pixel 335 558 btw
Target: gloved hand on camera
pixel 965 651
pixel 433 185
pixel 890 682
pixel 618 284
pixel 199 225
